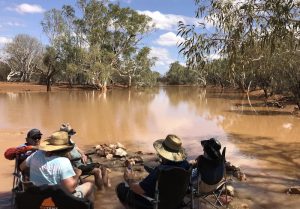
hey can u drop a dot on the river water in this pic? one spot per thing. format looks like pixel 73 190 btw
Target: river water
pixel 263 141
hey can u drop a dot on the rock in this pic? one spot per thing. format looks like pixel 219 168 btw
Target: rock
pixel 120 152
pixel 245 206
pixel 294 190
pixel 230 190
pixel 119 145
pixel 112 146
pixel 109 156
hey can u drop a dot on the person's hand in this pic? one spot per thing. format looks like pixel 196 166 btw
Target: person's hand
pixel 129 175
pixel 193 162
pixel 84 159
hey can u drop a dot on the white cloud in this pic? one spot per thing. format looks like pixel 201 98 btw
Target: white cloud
pixel 163 56
pixel 27 8
pixel 169 39
pixel 168 21
pixel 15 24
pixel 4 40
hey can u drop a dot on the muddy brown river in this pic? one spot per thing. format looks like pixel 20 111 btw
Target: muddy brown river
pixel 263 141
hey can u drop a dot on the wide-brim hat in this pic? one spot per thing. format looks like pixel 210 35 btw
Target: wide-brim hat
pixel 212 147
pixel 67 128
pixel 170 148
pixel 57 141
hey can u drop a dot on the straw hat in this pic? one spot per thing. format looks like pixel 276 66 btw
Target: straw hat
pixel 170 148
pixel 58 141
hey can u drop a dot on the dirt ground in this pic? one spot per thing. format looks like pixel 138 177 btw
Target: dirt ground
pixel 243 198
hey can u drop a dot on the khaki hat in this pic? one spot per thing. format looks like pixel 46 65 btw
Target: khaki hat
pixel 57 141
pixel 170 148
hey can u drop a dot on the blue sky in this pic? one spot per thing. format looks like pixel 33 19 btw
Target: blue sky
pixel 25 17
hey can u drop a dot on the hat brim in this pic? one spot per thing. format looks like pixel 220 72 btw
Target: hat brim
pixel 45 146
pixel 172 156
pixel 204 143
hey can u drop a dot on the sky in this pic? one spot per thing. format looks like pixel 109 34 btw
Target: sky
pixel 17 16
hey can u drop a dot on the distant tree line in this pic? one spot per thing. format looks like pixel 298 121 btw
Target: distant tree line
pixel 98 47
pixel 258 43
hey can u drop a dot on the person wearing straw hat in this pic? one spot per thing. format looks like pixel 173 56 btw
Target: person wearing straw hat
pixel 49 166
pixel 100 175
pixel 171 153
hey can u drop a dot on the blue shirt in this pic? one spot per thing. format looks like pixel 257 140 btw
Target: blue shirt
pixel 148 184
pixel 48 170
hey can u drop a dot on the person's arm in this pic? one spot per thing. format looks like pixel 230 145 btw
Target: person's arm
pixel 23 166
pixel 83 156
pixel 136 188
pixel 129 178
pixel 71 183
pixel 12 152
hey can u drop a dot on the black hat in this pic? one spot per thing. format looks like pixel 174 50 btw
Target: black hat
pixel 34 133
pixel 212 147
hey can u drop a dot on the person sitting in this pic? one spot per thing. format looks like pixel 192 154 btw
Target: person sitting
pixel 100 175
pixel 23 151
pixel 49 166
pixel 171 153
pixel 210 166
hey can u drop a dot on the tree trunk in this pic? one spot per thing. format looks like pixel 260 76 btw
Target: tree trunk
pixel 48 84
pixel 129 81
pixel 266 92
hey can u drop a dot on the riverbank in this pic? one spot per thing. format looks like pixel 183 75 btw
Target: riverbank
pixel 267 138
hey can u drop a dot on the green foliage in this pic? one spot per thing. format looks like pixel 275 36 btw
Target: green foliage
pixel 100 41
pixel 252 37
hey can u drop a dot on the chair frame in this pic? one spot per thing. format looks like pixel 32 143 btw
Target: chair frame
pixel 216 193
pixel 156 200
pixel 20 186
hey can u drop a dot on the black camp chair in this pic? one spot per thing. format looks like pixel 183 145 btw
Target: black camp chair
pixel 54 197
pixel 27 196
pixel 212 197
pixel 171 188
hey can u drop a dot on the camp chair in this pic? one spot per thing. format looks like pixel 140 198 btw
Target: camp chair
pixel 90 164
pixel 171 188
pixel 49 197
pixel 212 197
pixel 27 196
pixel 19 183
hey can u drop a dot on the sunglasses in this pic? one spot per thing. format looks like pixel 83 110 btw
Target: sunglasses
pixel 36 138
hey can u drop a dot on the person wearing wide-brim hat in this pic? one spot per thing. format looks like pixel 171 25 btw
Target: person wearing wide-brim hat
pixel 49 166
pixel 88 168
pixel 210 165
pixel 172 154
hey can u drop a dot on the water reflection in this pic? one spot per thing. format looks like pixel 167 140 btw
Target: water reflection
pixel 263 141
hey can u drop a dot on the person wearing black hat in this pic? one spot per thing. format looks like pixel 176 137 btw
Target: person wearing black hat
pixel 210 166
pixel 23 151
pixel 171 153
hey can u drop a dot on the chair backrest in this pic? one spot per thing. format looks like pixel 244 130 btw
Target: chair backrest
pixel 49 197
pixel 210 171
pixel 172 186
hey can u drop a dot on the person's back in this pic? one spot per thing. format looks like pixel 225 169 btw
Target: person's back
pixel 48 170
pixel 210 166
pixel 49 166
pixel 172 153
